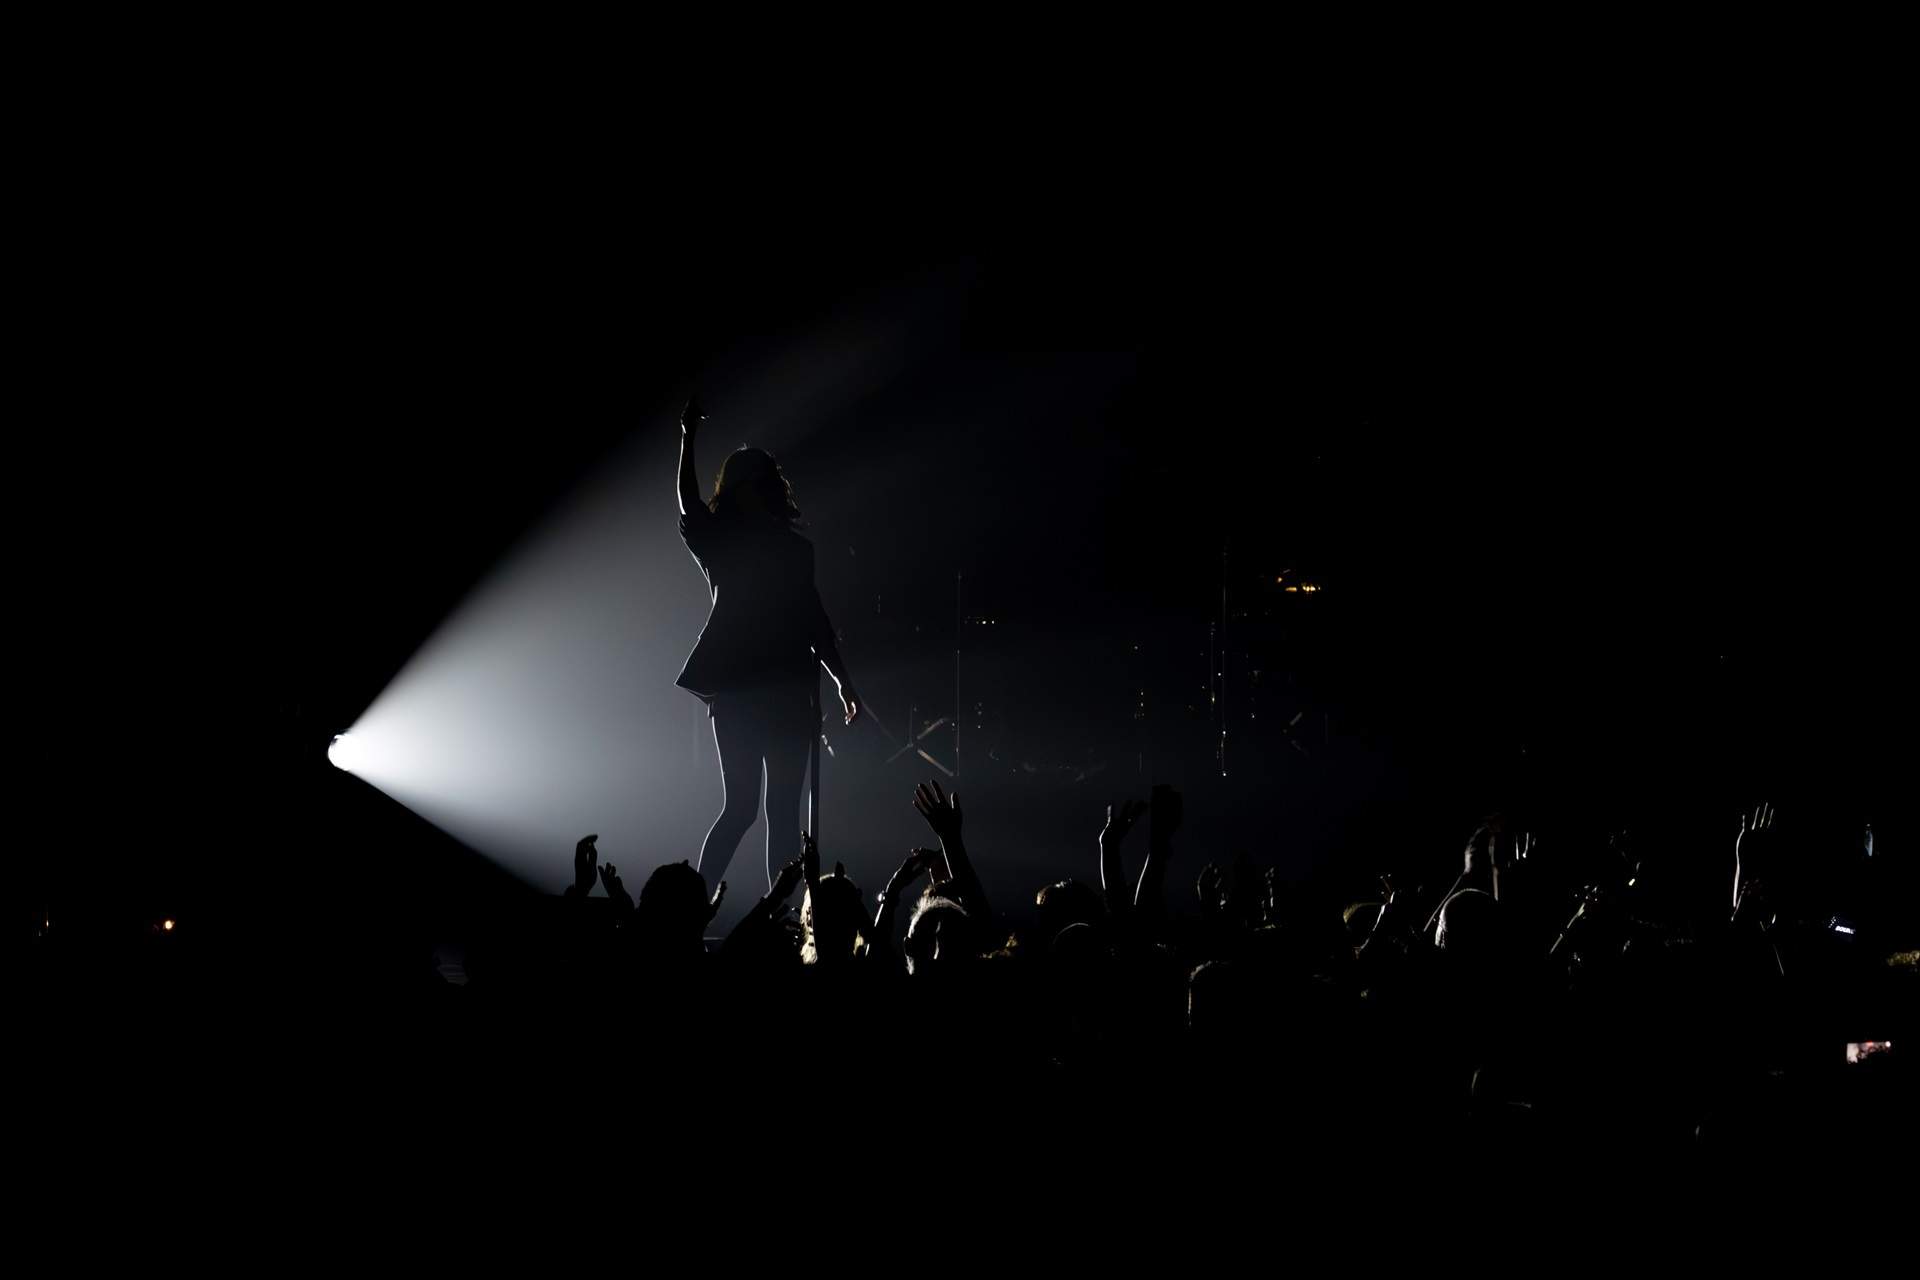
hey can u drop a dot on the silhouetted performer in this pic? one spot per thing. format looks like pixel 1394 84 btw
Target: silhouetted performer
pixel 754 662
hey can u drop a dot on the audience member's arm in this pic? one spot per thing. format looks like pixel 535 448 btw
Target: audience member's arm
pixel 942 813
pixel 584 858
pixel 1163 819
pixel 1391 943
pixel 911 868
pixel 622 900
pixel 1120 820
pixel 1219 907
pixel 1386 925
pixel 1754 834
pixel 1210 889
pixel 761 916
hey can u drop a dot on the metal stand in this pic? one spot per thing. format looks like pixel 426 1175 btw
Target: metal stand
pixel 959 630
pixel 813 761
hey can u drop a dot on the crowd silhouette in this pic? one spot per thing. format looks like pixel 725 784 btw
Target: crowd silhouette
pixel 1524 1002
pixel 1515 998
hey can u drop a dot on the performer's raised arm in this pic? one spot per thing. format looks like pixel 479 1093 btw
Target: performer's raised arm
pixel 689 486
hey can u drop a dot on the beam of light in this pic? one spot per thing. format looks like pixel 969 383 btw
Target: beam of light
pixel 343 752
pixel 544 706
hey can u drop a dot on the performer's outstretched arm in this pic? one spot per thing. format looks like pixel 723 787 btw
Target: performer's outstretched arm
pixel 826 647
pixel 689 487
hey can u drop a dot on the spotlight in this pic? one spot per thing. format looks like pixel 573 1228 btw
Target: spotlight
pixel 343 752
pixel 167 925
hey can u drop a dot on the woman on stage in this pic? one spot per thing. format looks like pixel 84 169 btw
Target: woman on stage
pixel 754 664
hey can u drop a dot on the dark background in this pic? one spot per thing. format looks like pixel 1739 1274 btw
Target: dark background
pixel 1593 449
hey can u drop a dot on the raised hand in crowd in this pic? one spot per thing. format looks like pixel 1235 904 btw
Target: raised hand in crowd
pixel 1165 813
pixel 585 856
pixel 1120 820
pixel 1211 889
pixel 622 900
pixel 766 915
pixel 941 811
pixel 943 815
pixel 917 863
pixel 1753 849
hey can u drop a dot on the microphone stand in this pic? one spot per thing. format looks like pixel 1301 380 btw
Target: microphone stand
pixel 813 761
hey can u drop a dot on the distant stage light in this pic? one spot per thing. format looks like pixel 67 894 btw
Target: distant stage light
pixel 344 752
pixel 167 925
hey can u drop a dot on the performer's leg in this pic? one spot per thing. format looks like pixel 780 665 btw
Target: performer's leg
pixel 738 739
pixel 787 751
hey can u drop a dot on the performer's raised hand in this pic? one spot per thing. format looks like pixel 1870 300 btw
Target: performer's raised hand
pixel 691 417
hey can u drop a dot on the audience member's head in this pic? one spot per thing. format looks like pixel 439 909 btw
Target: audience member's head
pixel 673 909
pixel 833 920
pixel 939 936
pixel 1064 903
pixel 1469 927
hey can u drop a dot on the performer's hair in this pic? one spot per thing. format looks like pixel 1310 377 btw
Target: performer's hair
pixel 747 467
